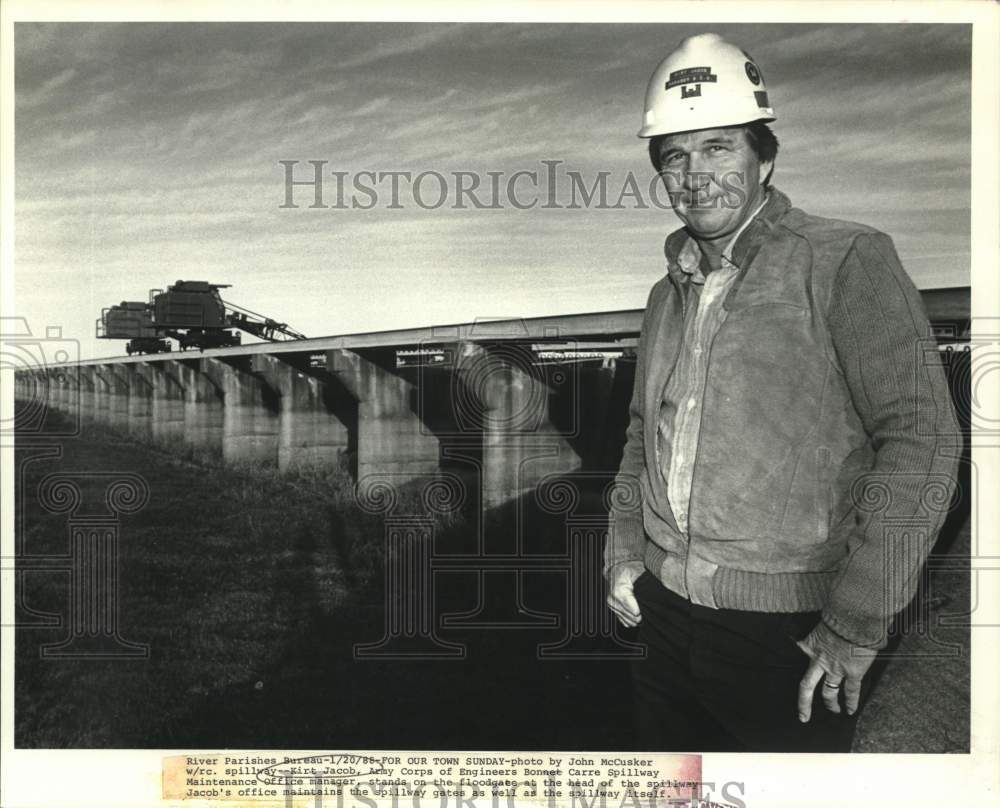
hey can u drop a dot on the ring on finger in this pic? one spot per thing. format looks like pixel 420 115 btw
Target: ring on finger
pixel 832 685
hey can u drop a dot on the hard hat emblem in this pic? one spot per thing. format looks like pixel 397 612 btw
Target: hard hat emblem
pixel 690 75
pixel 752 72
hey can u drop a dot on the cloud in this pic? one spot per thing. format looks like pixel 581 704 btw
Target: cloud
pixel 372 106
pixel 48 88
pixel 387 49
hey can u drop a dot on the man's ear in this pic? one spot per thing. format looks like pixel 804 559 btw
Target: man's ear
pixel 765 172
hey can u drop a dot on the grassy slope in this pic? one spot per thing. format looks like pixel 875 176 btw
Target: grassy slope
pixel 217 573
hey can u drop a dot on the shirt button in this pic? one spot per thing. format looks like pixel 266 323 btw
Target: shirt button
pixel 680 459
pixel 691 403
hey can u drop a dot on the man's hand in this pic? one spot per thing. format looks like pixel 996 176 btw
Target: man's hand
pixel 621 600
pixel 838 663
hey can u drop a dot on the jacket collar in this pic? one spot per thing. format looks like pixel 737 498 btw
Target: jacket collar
pixel 681 248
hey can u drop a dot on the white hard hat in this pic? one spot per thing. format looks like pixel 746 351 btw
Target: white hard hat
pixel 705 84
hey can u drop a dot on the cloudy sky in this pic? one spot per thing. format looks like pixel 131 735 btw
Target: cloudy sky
pixel 147 153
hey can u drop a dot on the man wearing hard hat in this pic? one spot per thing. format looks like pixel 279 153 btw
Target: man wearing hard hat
pixel 786 434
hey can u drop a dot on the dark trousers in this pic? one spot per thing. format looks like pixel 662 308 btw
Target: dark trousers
pixel 720 680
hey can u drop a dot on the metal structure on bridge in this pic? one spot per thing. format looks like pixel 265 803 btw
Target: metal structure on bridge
pixel 191 312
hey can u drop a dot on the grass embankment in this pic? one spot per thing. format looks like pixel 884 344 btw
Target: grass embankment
pixel 222 573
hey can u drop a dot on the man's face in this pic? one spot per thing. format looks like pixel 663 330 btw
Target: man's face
pixel 713 178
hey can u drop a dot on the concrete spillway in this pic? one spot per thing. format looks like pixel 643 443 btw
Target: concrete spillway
pixel 494 399
pixel 518 400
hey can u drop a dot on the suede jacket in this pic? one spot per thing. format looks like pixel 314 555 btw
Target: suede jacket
pixel 828 447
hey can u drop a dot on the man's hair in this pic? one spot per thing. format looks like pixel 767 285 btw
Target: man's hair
pixel 762 140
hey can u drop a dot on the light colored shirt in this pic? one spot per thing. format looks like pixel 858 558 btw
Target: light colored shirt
pixel 681 402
